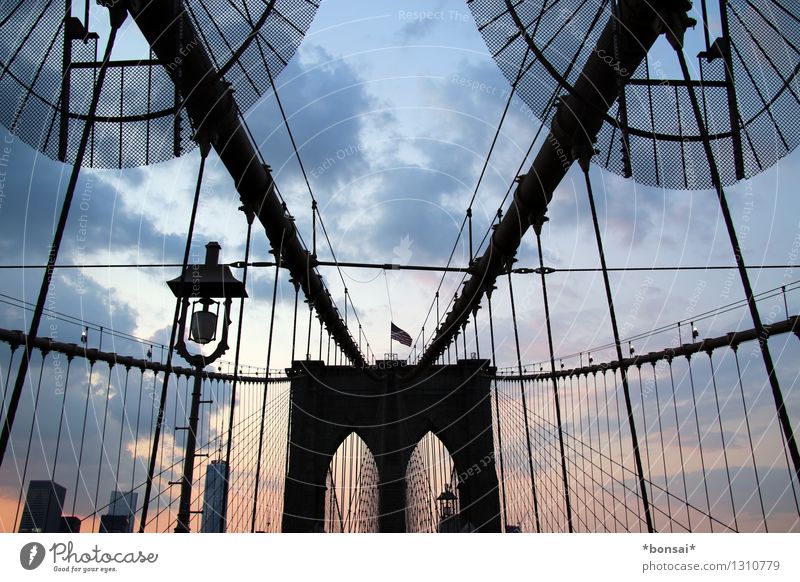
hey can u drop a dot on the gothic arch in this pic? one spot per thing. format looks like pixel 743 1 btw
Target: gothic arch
pixel 351 496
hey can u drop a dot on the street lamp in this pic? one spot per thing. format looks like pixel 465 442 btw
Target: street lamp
pixel 448 516
pixel 199 286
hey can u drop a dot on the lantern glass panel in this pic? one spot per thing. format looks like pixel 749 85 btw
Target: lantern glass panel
pixel 203 327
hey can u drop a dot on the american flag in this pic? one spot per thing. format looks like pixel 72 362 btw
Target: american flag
pixel 400 336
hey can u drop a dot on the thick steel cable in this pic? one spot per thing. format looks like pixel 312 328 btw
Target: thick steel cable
pixel 278 260
pixel 34 424
pixel 58 434
pixel 468 215
pixel 546 302
pixel 680 444
pixel 497 410
pixel 204 151
pixel 250 216
pixel 121 431
pixel 310 192
pixel 33 330
pixel 294 319
pixel 750 438
pixel 524 405
pixel 584 163
pixel 699 438
pixel 722 439
pixel 766 355
pixel 83 435
pixel 13 348
pixel 102 440
pixel 661 436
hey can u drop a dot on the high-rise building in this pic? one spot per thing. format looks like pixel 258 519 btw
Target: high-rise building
pixel 70 524
pixel 43 503
pixel 123 503
pixel 114 524
pixel 215 498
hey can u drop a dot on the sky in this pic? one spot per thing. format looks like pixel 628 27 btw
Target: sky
pixel 393 142
pixel 393 106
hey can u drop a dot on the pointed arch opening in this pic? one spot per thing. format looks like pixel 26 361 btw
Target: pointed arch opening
pixel 351 496
pixel 432 497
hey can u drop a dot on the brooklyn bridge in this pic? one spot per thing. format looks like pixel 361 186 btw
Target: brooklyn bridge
pixel 251 341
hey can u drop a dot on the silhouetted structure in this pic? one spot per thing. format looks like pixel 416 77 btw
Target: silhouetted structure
pixel 115 524
pixel 43 503
pixel 124 503
pixel 214 510
pixel 328 400
pixel 556 429
pixel 448 511
pixel 70 524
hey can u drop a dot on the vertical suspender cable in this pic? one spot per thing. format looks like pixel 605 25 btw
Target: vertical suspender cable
pixel 663 449
pixel 735 349
pixel 58 434
pixel 34 424
pixel 766 355
pixel 524 406
pixel 722 440
pixel 497 409
pixel 102 444
pixel 83 432
pixel 278 261
pixel 117 488
pixel 680 444
pixel 584 164
pixel 118 15
pixel 564 475
pixel 469 220
pixel 223 522
pixel 294 318
pixel 8 378
pixel 308 341
pixel 205 147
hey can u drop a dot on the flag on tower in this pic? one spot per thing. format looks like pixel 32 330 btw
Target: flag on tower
pixel 401 336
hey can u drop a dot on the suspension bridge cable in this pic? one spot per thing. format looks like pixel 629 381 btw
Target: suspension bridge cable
pixel 299 159
pixel 278 260
pixel 117 15
pixel 568 505
pixel 34 425
pixel 205 148
pixel 58 433
pixel 468 215
pixel 103 451
pixel 584 164
pixel 777 394
pixel 524 405
pixel 14 348
pixel 770 293
pixel 722 439
pixel 124 416
pixel 249 216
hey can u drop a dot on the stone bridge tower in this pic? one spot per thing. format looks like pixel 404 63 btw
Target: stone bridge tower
pixel 391 414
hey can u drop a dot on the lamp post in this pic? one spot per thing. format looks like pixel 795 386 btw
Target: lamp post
pixel 448 515
pixel 199 286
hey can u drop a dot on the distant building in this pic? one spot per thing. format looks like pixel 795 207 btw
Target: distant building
pixel 215 498
pixel 114 524
pixel 123 503
pixel 42 512
pixel 70 524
